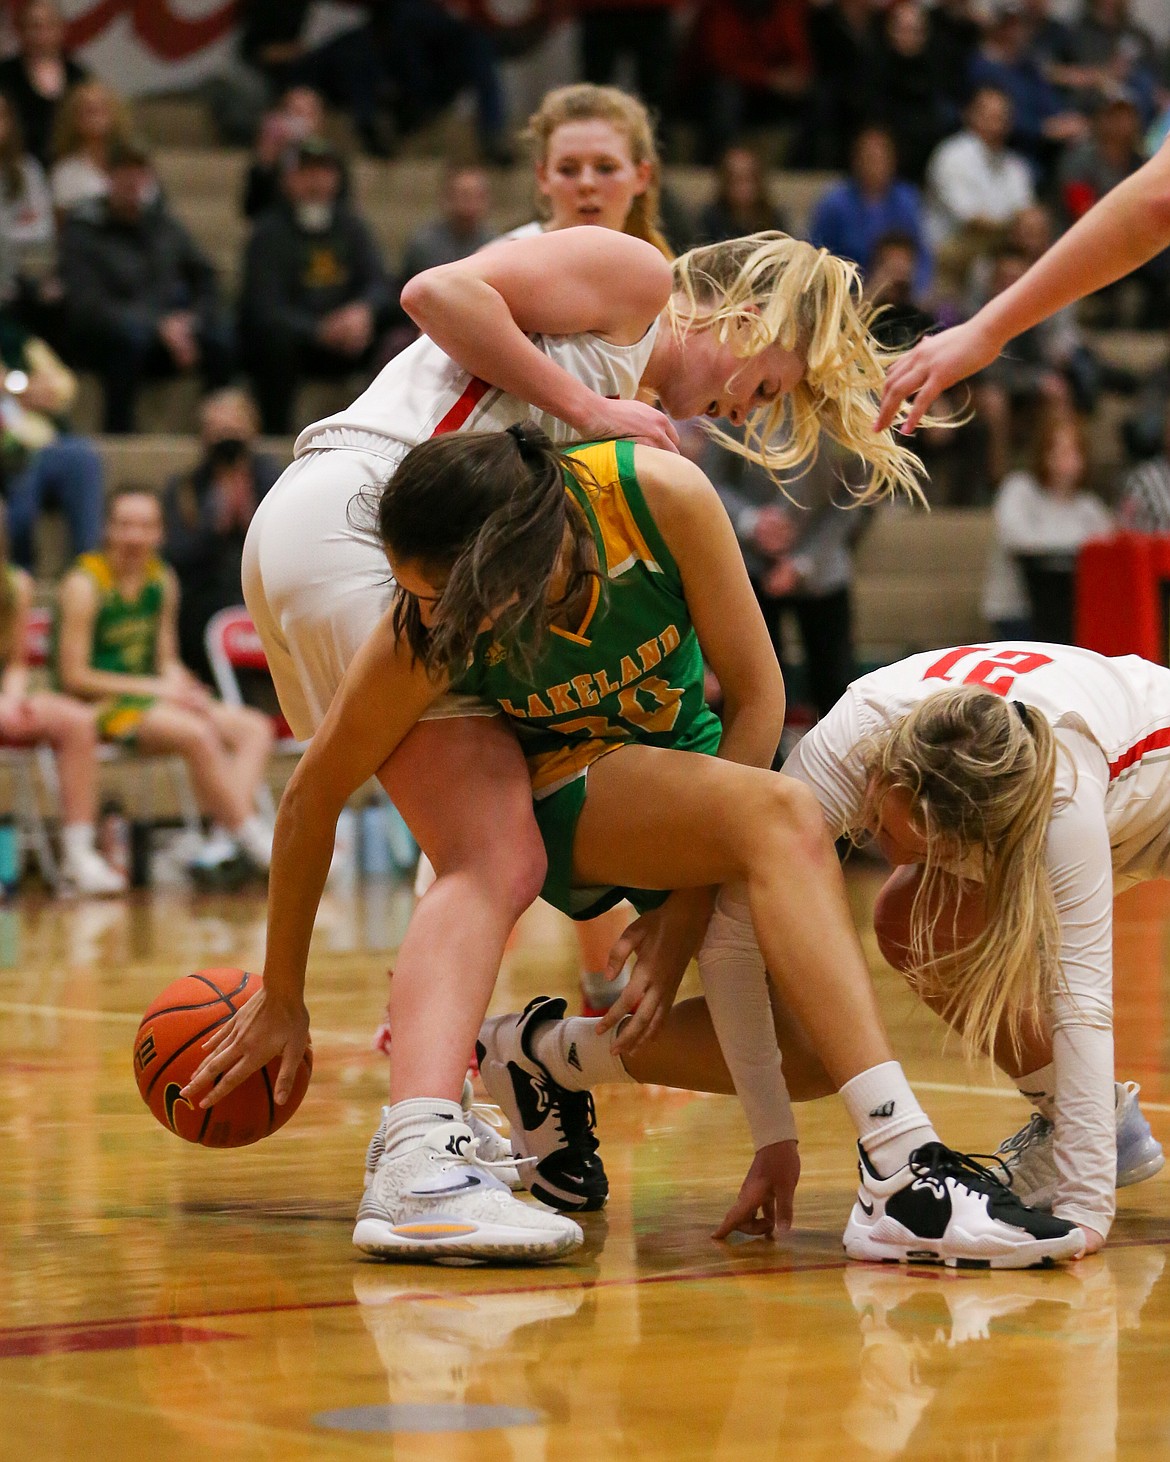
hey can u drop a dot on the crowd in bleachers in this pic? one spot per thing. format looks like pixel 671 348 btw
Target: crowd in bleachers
pixel 943 147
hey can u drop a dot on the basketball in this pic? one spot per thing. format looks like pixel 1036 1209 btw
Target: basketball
pixel 169 1048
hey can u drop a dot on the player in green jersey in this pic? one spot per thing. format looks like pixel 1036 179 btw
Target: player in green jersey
pixel 576 591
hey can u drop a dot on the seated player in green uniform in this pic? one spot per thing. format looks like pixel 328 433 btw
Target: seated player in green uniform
pixel 580 592
pixel 116 645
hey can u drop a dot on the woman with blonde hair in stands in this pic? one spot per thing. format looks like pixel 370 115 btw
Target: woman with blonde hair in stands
pixel 596 163
pixel 93 118
pixel 567 328
pixel 29 718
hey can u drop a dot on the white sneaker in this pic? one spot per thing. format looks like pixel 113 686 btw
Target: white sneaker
pixel 1029 1155
pixel 484 1121
pixel 944 1208
pixel 548 1123
pixel 439 1201
pixel 255 837
pixel 86 872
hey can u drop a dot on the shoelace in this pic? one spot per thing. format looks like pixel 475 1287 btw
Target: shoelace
pixel 489 1114
pixel 941 1162
pixel 1036 1130
pixel 487 1163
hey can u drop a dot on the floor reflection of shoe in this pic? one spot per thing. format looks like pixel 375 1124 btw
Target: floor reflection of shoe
pixel 484 1121
pixel 946 1309
pixel 944 1208
pixel 438 1201
pixel 1029 1155
pixel 548 1122
pixel 430 1342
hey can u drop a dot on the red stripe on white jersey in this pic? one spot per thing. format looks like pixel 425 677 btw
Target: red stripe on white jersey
pixel 1155 741
pixel 473 394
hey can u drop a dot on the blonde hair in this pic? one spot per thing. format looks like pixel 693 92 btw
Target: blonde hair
pixel 769 289
pixel 981 774
pixel 585 102
pixel 66 132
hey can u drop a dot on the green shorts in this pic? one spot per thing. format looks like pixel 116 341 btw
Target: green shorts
pixel 119 719
pixel 557 816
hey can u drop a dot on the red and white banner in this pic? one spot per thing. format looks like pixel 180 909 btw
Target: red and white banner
pixel 142 46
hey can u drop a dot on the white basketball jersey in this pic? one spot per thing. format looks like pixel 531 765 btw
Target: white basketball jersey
pixel 1121 705
pixel 422 393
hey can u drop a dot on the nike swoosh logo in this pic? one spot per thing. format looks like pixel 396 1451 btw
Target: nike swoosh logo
pixel 867 1208
pixel 468 1182
pixel 171 1099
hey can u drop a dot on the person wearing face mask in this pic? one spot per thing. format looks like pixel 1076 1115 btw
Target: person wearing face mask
pixel 315 296
pixel 141 298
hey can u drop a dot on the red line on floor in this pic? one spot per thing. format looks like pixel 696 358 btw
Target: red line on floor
pixel 120 1335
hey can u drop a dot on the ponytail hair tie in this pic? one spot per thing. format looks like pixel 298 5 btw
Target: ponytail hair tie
pixel 1021 710
pixel 520 436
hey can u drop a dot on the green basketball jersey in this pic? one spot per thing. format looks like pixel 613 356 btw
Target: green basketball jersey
pixel 125 632
pixel 632 671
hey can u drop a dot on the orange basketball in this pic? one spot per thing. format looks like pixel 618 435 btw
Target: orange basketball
pixel 169 1047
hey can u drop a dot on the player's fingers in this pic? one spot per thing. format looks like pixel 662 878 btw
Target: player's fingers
pixel 218 1036
pixel 738 1214
pixel 639 1025
pixel 228 1082
pixel 902 381
pixel 625 1004
pixel 624 946
pixel 671 433
pixel 289 1062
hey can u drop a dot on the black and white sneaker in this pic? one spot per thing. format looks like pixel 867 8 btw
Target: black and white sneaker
pixel 548 1122
pixel 945 1208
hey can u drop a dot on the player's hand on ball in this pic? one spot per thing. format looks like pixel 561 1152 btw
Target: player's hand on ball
pixel 264 1028
pixel 764 1205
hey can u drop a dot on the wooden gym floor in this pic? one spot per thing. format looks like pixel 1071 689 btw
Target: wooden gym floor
pixel 158 1301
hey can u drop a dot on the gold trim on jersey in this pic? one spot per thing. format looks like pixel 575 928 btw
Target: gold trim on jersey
pixel 621 537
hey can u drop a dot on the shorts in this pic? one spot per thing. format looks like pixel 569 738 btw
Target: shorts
pixel 120 719
pixel 557 816
pixel 316 581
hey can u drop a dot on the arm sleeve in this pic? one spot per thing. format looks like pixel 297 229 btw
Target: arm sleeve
pixel 828 761
pixel 735 983
pixel 1080 866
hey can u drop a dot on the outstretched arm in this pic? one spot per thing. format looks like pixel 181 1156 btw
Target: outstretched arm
pixel 575 281
pixel 381 698
pixel 1122 232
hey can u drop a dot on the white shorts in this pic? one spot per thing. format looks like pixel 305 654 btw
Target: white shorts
pixel 316 581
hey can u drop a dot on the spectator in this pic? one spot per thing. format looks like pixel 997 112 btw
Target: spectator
pixel 1044 512
pixel 1011 58
pixel 207 512
pixel 1103 51
pixel 117 648
pixel 141 298
pixel 799 554
pixel 461 229
pixel 345 69
pixel 300 113
pixel 955 457
pixel 843 36
pixel 742 203
pixel 906 89
pixel 956 32
pixel 61 723
pixel 1145 495
pixel 750 63
pixel 42 462
pixel 315 295
pixel 1089 171
pixel 975 187
pixel 639 31
pixel 93 122
pixel 431 53
pixel 1014 387
pixel 38 77
pixel 849 218
pixel 26 211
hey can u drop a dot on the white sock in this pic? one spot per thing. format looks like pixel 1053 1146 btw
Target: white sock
pixel 77 838
pixel 889 1121
pixel 600 992
pixel 578 1056
pixel 1039 1088
pixel 407 1123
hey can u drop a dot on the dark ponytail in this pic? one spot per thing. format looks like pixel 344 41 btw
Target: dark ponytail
pixel 487 511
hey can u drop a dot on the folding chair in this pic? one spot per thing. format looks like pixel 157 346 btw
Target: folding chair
pixel 235 653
